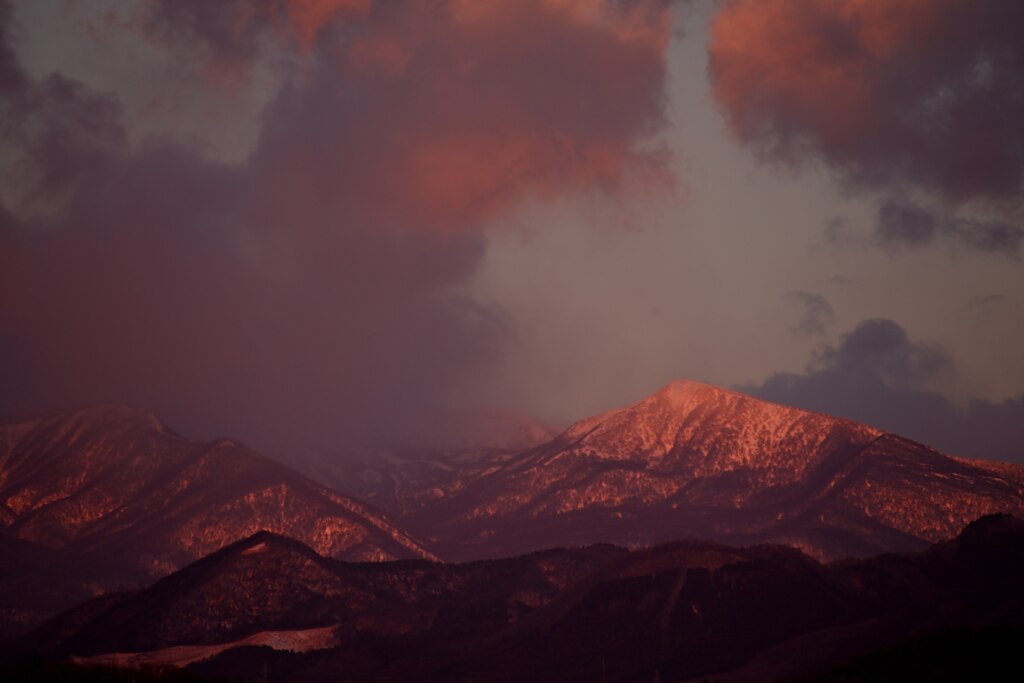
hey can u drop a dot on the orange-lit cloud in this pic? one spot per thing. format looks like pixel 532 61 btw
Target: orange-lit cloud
pixel 453 112
pixel 925 91
pixel 311 286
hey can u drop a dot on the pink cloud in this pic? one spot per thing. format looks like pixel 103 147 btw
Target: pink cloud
pixel 926 92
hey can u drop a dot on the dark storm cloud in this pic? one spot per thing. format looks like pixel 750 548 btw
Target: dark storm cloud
pixel 226 37
pixel 837 231
pixel 881 348
pixel 816 313
pixel 878 375
pixel 903 224
pixel 885 91
pixel 991 236
pixel 309 293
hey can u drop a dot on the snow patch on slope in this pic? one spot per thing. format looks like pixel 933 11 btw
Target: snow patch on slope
pixel 304 640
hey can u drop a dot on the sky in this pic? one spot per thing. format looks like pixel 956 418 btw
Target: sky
pixel 313 223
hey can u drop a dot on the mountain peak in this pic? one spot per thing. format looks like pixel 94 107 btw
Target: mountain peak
pixel 685 394
pixel 683 389
pixel 719 464
pixel 114 414
pixel 729 428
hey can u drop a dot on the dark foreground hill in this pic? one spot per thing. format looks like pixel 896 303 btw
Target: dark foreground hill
pixel 270 608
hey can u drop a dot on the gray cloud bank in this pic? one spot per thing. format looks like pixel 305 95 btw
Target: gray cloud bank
pixel 877 374
pixel 904 224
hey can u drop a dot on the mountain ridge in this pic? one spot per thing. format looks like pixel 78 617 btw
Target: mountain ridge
pixel 97 482
pixel 123 499
pixel 697 460
pixel 677 611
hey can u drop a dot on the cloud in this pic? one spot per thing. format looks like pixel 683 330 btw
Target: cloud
pixel 816 313
pixel 903 224
pixel 992 236
pixel 311 291
pixel 57 120
pixel 487 108
pixel 884 91
pixel 877 374
pixel 228 37
pixel 986 302
pixel 881 349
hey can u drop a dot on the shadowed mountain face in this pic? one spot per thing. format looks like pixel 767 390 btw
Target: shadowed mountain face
pixel 125 499
pixel 698 461
pixel 273 583
pixel 440 457
pixel 672 612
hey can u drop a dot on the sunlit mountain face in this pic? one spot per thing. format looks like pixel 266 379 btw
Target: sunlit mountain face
pixel 104 481
pixel 697 461
pixel 107 498
pixel 332 332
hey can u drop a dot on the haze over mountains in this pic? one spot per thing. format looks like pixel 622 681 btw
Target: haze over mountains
pixel 443 456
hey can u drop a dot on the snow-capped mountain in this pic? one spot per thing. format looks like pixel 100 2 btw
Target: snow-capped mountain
pixel 128 498
pixel 694 460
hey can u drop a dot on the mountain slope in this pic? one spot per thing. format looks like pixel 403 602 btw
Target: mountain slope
pixel 126 499
pixel 270 583
pixel 439 457
pixel 698 461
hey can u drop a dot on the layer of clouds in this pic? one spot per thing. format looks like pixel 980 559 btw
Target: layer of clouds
pixel 312 289
pixel 885 91
pixel 904 224
pixel 877 374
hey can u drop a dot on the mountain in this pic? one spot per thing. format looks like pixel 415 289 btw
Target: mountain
pixel 110 498
pixel 679 611
pixel 698 461
pixel 440 455
pixel 35 584
pixel 274 585
pixel 119 498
